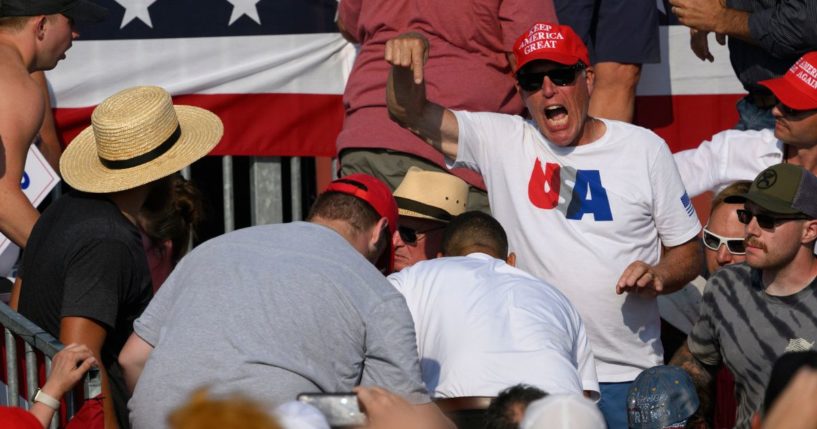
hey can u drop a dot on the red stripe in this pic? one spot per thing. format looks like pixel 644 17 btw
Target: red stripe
pixel 254 124
pixel 684 121
pixel 307 124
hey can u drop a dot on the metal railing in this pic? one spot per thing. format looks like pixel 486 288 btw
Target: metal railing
pixel 35 340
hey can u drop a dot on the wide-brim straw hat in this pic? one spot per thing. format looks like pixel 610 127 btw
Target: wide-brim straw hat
pixel 431 195
pixel 137 136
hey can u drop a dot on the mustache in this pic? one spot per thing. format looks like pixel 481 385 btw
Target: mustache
pixel 754 242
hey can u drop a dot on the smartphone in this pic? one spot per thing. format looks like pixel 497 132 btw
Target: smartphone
pixel 340 409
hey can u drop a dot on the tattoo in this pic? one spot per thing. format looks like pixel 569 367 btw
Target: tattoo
pixel 703 376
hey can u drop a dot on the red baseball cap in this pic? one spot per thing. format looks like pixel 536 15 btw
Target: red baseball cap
pixel 379 197
pixel 798 87
pixel 552 42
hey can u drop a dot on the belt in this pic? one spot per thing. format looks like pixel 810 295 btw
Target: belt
pixel 450 405
pixel 763 101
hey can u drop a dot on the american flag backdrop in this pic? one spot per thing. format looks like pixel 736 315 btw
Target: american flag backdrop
pixel 274 71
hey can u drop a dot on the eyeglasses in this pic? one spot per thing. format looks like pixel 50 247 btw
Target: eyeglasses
pixel 561 76
pixel 766 221
pixel 411 235
pixel 713 241
pixel 793 113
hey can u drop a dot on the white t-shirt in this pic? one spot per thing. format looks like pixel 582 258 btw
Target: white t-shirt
pixel 730 156
pixel 578 216
pixel 483 325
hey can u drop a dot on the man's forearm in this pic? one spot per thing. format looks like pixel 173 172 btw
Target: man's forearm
pixel 679 265
pixel 735 23
pixel 702 377
pixel 17 215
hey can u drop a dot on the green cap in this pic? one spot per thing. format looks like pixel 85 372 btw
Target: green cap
pixel 783 189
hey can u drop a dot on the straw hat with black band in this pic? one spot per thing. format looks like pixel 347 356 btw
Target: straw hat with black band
pixel 137 136
pixel 431 195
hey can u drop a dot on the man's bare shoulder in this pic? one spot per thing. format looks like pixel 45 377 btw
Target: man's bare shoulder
pixel 22 105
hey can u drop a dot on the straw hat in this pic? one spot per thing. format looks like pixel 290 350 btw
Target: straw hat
pixel 431 195
pixel 137 136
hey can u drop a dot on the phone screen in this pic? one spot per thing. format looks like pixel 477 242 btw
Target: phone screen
pixel 340 409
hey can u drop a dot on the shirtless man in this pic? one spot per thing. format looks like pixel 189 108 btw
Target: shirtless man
pixel 34 35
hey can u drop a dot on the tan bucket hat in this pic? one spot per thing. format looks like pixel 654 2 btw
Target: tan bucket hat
pixel 431 195
pixel 137 136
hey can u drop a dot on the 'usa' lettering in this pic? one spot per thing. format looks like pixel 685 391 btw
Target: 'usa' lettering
pixel 588 195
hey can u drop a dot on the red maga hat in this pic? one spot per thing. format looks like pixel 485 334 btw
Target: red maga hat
pixel 379 197
pixel 798 87
pixel 552 42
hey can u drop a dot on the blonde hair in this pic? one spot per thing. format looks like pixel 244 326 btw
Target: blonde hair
pixel 233 412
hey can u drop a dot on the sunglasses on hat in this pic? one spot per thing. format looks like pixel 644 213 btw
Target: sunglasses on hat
pixel 411 235
pixel 765 220
pixel 713 241
pixel 561 76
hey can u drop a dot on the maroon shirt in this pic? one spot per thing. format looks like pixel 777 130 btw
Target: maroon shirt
pixel 467 68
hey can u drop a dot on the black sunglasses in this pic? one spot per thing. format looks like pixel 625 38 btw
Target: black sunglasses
pixel 767 221
pixel 713 241
pixel 410 235
pixel 793 113
pixel 562 76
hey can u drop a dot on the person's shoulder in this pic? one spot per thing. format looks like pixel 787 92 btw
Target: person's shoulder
pixel 726 280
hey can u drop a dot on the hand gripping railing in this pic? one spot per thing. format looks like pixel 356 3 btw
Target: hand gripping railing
pixel 35 339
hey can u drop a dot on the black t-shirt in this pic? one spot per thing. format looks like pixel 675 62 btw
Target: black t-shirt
pixel 84 258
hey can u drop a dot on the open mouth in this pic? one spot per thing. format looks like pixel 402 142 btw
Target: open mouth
pixel 556 114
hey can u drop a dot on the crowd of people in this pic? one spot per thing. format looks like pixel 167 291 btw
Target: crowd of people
pixel 502 250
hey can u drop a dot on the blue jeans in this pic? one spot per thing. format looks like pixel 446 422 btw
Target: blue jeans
pixel 613 404
pixel 752 117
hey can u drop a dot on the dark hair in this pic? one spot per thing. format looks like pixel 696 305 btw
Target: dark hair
pixel 783 371
pixel 334 205
pixel 173 211
pixel 507 409
pixel 472 231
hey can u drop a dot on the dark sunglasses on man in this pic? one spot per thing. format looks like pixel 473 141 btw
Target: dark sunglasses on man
pixel 767 221
pixel 411 235
pixel 560 76
pixel 734 245
pixel 794 113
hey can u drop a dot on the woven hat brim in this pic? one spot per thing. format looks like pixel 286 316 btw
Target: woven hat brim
pixel 412 213
pixel 81 168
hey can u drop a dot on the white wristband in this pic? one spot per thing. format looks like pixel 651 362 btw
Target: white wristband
pixel 46 399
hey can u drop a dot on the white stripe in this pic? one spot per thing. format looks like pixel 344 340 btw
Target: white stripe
pixel 310 63
pixel 682 73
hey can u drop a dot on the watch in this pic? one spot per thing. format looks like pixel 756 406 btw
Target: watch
pixel 45 399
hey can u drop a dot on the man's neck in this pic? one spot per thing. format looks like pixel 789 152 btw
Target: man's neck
pixel 593 130
pixel 803 156
pixel 130 201
pixel 16 51
pixel 793 277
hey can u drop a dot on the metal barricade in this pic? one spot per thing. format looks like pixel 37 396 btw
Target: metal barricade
pixel 35 340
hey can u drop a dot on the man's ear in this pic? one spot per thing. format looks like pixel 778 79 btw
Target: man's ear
pixel 381 227
pixel 511 259
pixel 590 78
pixel 809 231
pixel 41 22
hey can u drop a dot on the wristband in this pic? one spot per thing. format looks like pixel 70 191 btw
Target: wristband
pixel 45 399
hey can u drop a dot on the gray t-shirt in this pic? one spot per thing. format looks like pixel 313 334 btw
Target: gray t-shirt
pixel 272 311
pixel 747 329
